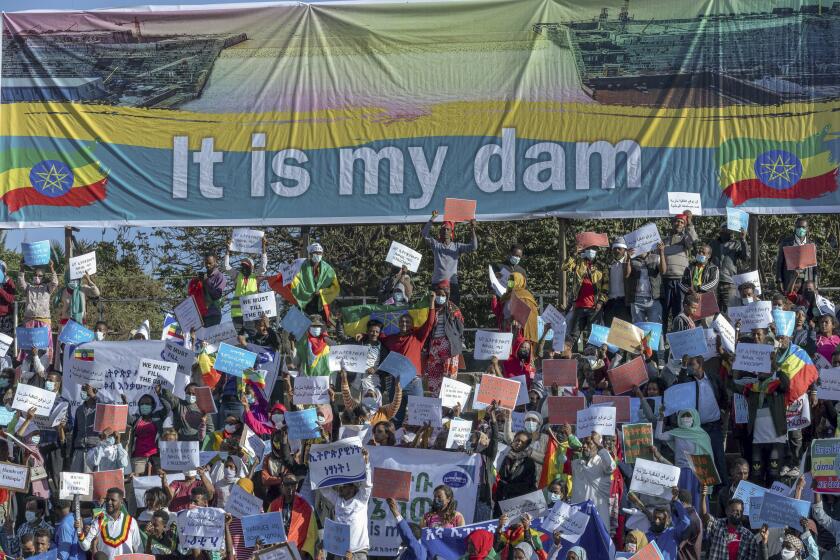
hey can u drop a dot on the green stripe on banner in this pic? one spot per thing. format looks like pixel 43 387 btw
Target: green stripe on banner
pixel 27 157
pixel 750 148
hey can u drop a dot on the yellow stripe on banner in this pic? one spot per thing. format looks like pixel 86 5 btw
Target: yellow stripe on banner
pixel 18 178
pixel 742 169
pixel 703 127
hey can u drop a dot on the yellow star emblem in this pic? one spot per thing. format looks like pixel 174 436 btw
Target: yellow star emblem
pixel 778 170
pixel 52 178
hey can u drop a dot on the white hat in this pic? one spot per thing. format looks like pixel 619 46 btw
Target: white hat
pixel 315 248
pixel 143 329
pixel 619 243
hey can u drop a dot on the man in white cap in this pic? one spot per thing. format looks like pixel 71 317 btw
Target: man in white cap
pixel 313 288
pixel 616 305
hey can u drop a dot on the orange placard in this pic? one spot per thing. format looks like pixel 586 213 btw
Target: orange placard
pixel 562 373
pixel 389 483
pixel 458 210
pixel 708 306
pixel 563 410
pixel 519 310
pixel 204 400
pixel 800 257
pixel 110 417
pixel 105 480
pixel 503 391
pixel 591 239
pixel 626 376
pixel 134 557
pixel 621 404
pixel 649 552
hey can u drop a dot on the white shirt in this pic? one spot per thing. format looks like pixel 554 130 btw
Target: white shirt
pixel 617 279
pixel 592 480
pixel 353 512
pixel 133 544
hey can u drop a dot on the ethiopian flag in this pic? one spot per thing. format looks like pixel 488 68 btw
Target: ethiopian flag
pixel 756 168
pixel 304 286
pixel 83 354
pixel 31 177
pixel 800 371
pixel 356 317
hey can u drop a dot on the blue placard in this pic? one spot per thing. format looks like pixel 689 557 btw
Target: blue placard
pixel 400 367
pixel 6 415
pixel 295 322
pixel 780 511
pixel 74 333
pixel 598 337
pixel 35 337
pixel 36 254
pixel 656 333
pixel 687 343
pixel 541 327
pixel 785 322
pixel 302 424
pixel 737 220
pixel 48 555
pixel 267 527
pixel 233 360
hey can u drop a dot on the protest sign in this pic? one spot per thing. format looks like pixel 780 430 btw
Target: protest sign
pixel 654 330
pixel 800 257
pixel 283 551
pixel 562 373
pixel 499 286
pixel 258 305
pixel 76 484
pixel 204 400
pixel 707 307
pixel 14 477
pixel 679 202
pixel 423 410
pixel 312 390
pixel 503 391
pixel 179 455
pixel 569 520
pixel 519 310
pixel 599 419
pixel 781 488
pixel 223 332
pixel 390 483
pixel 742 410
pixel 353 356
pixel 556 320
pixel 621 404
pixel 650 551
pixel 184 357
pixel 6 342
pixel 643 240
pixel 152 372
pixel 752 277
pixel 74 333
pixel 267 528
pixel 233 360
pixel 781 511
pixel 737 220
pixel 679 397
pixel 489 344
pixel 340 462
pixel 655 403
pixel 400 255
pixel 143 483
pixel 36 254
pixel 785 322
pixel 798 414
pixel 753 357
pixel 110 417
pixel 202 528
pixel 711 343
pixel 459 433
pixel 289 270
pixel 704 469
pixel 454 392
pixel 244 240
pixel 654 479
pixel 532 503
pixel 522 397
pixel 563 410
pixel 336 537
pixel 691 342
pixel 400 367
pixel 29 396
pixel 726 331
pixel 587 239
pixel 188 316
pixel 33 337
pixel 102 481
pixel 295 322
pixel 83 264
pixel 638 438
pixel 756 315
pixel 624 335
pixel 302 424
pixel 829 384
pixel 242 504
pixel 746 490
pixel 825 466
pixel 458 210
pixel 628 375
pixel 825 306
pixel 598 336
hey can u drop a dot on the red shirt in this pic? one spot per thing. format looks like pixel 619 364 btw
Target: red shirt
pixel 181 491
pixel 586 294
pixel 411 345
pixel 733 542
pixel 144 439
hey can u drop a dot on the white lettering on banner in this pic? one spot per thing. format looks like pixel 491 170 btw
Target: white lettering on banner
pixel 532 503
pixel 422 410
pixel 29 396
pixel 459 433
pixel 312 390
pixel 83 264
pixel 679 202
pixel 570 521
pixel 77 484
pixel 753 357
pixel 454 392
pixel 400 255
pixel 149 372
pixel 255 306
pixel 354 357
pixel 654 479
pixel 489 344
pixel 244 240
pixel 829 387
pixel 643 240
pixel 757 315
pixel 179 455
pixel 600 419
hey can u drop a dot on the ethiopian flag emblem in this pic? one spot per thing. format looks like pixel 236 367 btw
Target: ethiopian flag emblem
pixel 755 168
pixel 35 178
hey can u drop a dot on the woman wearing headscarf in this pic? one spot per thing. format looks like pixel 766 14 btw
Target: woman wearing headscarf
pixel 480 546
pixel 518 473
pixel 256 410
pixel 689 438
pixel 446 252
pixel 576 553
pixel 533 422
pixel 519 532
pixel 446 341
pixel 225 474
pixel 371 400
pixel 793 547
pixel 74 297
pixel 634 541
pixel 7 300
pixel 502 307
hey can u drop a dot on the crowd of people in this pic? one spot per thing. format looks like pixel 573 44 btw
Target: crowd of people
pixel 519 450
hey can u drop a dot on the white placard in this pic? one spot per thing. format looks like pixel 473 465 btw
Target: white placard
pixel 322 463
pixel 726 331
pixel 14 477
pixel 532 503
pixel 498 287
pixel 83 264
pixel 290 270
pixel 336 537
pixel 552 316
pixel 459 433
pixel 490 343
pixel 143 483
pixel 150 371
pixel 244 240
pixel 28 396
pixel 570 521
pixel 242 504
pixel 679 202
pixel 215 335
pixel 6 342
pixel 829 387
pixel 421 410
pixel 748 277
pixel 179 455
pixel 643 240
pixel 188 317
pixel 454 392
pixel 753 357
pixel 757 315
pixel 255 306
pixel 600 419
pixel 202 522
pixel 76 484
pixel 400 255
pixel 312 390
pixel 654 479
pixel 354 357
pixel 825 305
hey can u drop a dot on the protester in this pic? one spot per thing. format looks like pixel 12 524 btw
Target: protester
pixel 246 281
pixel 590 288
pixel 208 290
pixel 785 278
pixel 74 297
pixel 678 246
pixel 730 256
pixel 447 252
pixel 446 341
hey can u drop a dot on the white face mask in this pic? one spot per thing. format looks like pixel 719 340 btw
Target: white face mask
pixel 190 474
pixel 786 554
pixel 369 402
pixel 230 474
pixel 49 385
pixel 99 335
pixel 35 440
pixel 315 331
pixel 230 428
pixel 589 254
pixel 316 258
pixel 747 300
pixel 440 300
pixel 321 420
pixel 532 426
pixel 191 399
pixel 686 422
pixel 514 260
pixel 630 547
pixel 277 419
pixel 555 497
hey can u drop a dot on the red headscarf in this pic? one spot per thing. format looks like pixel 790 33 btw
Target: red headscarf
pixel 482 542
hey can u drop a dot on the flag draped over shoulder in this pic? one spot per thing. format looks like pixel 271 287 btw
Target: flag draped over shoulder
pixel 800 371
pixel 304 286
pixel 356 317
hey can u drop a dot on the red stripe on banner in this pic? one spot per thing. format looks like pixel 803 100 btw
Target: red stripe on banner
pixel 75 197
pixel 805 189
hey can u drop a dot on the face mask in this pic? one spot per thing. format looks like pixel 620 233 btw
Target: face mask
pixel 230 428
pixel 49 385
pixel 437 505
pixel 398 297
pixel 734 520
pixel 145 409
pixel 788 554
pixel 686 422
pixel 35 440
pixel 37 280
pixel 630 547
pixel 747 300
pixel 589 254
pixel 523 354
pixel 316 258
pixel 277 419
pixel 701 259
pixel 513 260
pixel 249 399
pixel 315 331
pixel 440 300
pixel 555 497
pixel 190 474
pixel 321 419
pixel 532 426
pixel 230 474
pixel 369 402
pixel 109 441
pixel 657 527
pixel 191 399
pixel 800 232
pixel 99 335
pixel 31 516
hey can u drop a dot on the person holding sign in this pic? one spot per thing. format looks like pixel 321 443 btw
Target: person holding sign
pixel 518 473
pixel 410 341
pixel 350 503
pixel 397 288
pixel 115 531
pixel 678 247
pixel 617 304
pixel 730 256
pixel 447 339
pixel 688 439
pixel 589 288
pixel 109 455
pixel 728 538
pixel 512 263
pixel 313 349
pixel 74 297
pixel 447 252
pixel 785 277
pixel 8 292
pixel 700 276
pixel 299 520
pixel 245 282
pixel 505 315
pixel 591 475
pixel 37 296
pixel 144 430
pixel 643 284
pixel 373 411
pixel 188 419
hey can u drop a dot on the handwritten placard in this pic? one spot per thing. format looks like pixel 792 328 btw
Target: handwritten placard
pixel 751 277
pixel 302 424
pixel 621 404
pixel 74 333
pixel 105 480
pixel 704 469
pixel 289 270
pixel 742 410
pixel 400 255
pixel 75 484
pixel 153 372
pixel 353 356
pixel 233 360
pixel 654 331
pixel 598 335
pixel 679 202
pixel 188 316
pixel 390 483
pixel 568 520
pixel 458 210
pixel 600 419
pixel 532 503
pixel 708 306
pixel 680 396
pixel 785 322
pixel 29 396
pixel 223 332
pixel 560 372
pixel 254 306
pixel 624 335
pixel 312 390
pixel 753 357
pixel 503 391
pixel 638 438
pixel 781 511
pixel 244 240
pixel 643 240
pixel 628 375
pixel 552 317
pixel 726 332
pixel 746 490
pixel 110 417
pixel 339 462
pixel 459 433
pixel 179 455
pixel 267 528
pixel 756 315
pixel 654 479
pixel 283 551
pixel 691 342
pixel 800 257
pixel 453 393
pixel 242 504
pixel 489 344
pixel 423 410
pixel 37 253
pixel 14 477
pixel 563 410
pixel 737 220
pixel 33 337
pixel 83 264
pixel 519 310
pixel 336 537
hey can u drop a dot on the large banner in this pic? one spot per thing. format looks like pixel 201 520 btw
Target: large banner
pixel 376 112
pixel 428 469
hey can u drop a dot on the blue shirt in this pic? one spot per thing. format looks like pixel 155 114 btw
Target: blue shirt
pixel 414 549
pixel 669 539
pixel 67 540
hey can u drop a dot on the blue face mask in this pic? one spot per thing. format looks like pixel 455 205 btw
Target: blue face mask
pixel 701 259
